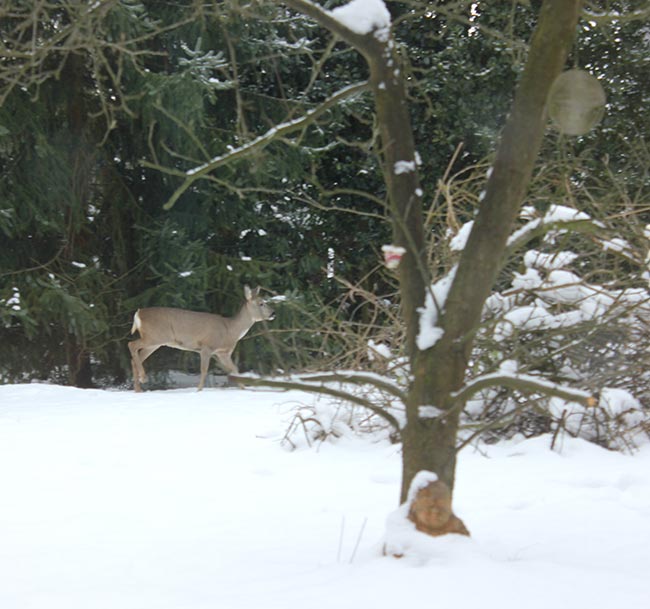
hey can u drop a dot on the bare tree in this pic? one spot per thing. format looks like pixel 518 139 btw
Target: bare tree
pixel 437 367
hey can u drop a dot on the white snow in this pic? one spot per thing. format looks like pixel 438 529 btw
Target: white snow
pixel 186 500
pixel 548 281
pixel 381 350
pixel 556 260
pixel 13 301
pixel 530 279
pixel 556 214
pixel 429 412
pixel 459 240
pixel 401 537
pixel 616 245
pixel 535 317
pixel 363 16
pixel 434 304
pixel 403 167
pixel 527 228
pixel 421 479
pixel 618 415
pixel 562 213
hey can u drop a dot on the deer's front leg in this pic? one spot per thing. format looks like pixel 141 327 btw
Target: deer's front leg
pixel 205 365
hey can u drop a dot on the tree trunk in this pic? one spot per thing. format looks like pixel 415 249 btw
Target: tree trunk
pixel 79 366
pixel 430 444
pixel 82 154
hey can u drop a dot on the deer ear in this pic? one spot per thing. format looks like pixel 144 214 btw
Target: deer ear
pixel 247 293
pixel 256 291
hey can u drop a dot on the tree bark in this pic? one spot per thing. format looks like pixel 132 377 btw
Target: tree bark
pixel 438 372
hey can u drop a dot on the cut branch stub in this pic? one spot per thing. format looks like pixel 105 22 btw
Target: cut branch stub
pixel 430 511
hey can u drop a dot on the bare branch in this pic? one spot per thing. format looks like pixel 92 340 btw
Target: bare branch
pixel 326 20
pixel 260 142
pixel 524 383
pixel 356 378
pixel 319 388
pixel 348 210
pixel 539 228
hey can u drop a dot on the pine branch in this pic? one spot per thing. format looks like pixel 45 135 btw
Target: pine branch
pixel 591 13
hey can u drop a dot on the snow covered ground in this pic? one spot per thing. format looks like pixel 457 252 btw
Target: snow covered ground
pixel 186 500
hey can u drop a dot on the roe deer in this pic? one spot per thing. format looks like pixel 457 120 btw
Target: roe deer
pixel 205 333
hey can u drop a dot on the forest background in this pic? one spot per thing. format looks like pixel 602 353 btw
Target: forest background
pixel 105 105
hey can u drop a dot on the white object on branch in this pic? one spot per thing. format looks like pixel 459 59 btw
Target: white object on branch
pixel 362 16
pixel 392 255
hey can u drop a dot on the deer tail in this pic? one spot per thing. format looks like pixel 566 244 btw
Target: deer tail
pixel 136 322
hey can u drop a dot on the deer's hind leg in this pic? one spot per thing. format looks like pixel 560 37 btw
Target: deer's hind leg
pixel 138 355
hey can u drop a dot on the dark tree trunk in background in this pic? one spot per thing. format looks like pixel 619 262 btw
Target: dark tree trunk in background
pixel 82 154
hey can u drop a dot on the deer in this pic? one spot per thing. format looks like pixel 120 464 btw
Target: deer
pixel 205 333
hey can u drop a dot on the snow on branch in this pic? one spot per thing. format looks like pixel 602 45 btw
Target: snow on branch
pixel 363 16
pixel 356 378
pixel 558 218
pixel 364 24
pixel 316 383
pixel 262 141
pixel 524 383
pixel 434 304
pixel 352 22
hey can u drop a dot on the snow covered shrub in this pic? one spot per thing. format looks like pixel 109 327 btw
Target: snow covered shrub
pixel 563 335
pixel 328 421
pixel 572 308
pixel 618 421
pixel 365 335
pixel 315 423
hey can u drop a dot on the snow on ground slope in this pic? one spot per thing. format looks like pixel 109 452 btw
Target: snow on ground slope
pixel 186 500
